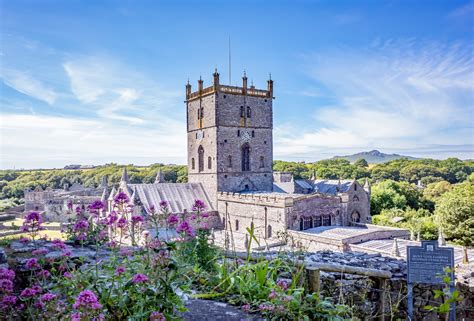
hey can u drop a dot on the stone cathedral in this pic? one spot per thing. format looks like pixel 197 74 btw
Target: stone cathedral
pixel 230 156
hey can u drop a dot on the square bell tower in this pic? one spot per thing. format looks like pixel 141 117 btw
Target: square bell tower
pixel 230 141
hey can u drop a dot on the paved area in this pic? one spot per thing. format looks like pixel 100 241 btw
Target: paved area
pixel 205 310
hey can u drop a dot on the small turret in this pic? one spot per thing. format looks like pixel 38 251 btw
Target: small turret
pixel 367 185
pixel 124 178
pixel 105 195
pixel 112 194
pixel 270 87
pixel 200 84
pixel 216 79
pixel 160 177
pixel 244 83
pixel 188 90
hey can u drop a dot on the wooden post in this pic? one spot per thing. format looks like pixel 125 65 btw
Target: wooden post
pixel 314 280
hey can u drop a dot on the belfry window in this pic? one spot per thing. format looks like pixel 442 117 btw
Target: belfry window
pixel 201 158
pixel 238 132
pixel 242 111
pixel 253 133
pixel 249 112
pixel 262 163
pixel 269 231
pixel 245 158
pixel 193 165
pixel 209 162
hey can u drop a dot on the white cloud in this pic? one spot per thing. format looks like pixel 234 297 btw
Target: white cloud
pixel 45 141
pixel 396 94
pixel 116 92
pixel 26 84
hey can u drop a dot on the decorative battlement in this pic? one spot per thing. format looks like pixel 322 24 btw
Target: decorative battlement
pixel 226 89
pixel 272 199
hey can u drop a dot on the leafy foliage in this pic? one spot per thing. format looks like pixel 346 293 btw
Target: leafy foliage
pixel 455 212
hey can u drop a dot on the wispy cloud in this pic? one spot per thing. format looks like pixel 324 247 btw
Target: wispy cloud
pixel 466 10
pixel 396 93
pixel 84 141
pixel 115 91
pixel 25 83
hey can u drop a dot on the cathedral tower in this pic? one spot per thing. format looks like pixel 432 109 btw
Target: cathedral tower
pixel 230 137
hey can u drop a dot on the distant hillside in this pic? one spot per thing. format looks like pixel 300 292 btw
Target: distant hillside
pixel 373 157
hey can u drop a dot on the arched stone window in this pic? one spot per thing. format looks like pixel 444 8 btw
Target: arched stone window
pixel 355 217
pixel 253 133
pixel 193 163
pixel 236 225
pixel 262 163
pixel 245 157
pixel 317 221
pixel 242 112
pixel 355 198
pixel 249 112
pixel 327 220
pixel 209 162
pixel 269 231
pixel 229 161
pixel 201 158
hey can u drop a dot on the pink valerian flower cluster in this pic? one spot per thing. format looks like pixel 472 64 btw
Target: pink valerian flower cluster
pixel 282 284
pixel 137 219
pixel 164 205
pixel 30 292
pixel 173 220
pixel 157 316
pixel 6 280
pixel 185 229
pixel 58 244
pixel 44 274
pixel 199 206
pixel 32 224
pixel 199 215
pixel 80 229
pixel 246 307
pixel 139 278
pixel 48 297
pixel 96 207
pixel 70 205
pixel 119 270
pixel 121 198
pixel 8 301
pixel 87 300
pixel 32 264
pixel 266 307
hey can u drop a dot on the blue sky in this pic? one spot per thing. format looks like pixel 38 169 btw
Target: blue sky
pixel 93 82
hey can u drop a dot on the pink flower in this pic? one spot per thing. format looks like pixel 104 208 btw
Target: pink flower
pixel 66 253
pixel 173 219
pixel 119 270
pixel 6 286
pixel 76 316
pixel 282 284
pixel 126 252
pixel 24 240
pixel 67 275
pixel 136 219
pixel 81 225
pixel 7 274
pixel 95 207
pixel 205 215
pixel 199 205
pixel 246 307
pixel 8 300
pixel 185 228
pixel 157 316
pixel 88 300
pixel 163 204
pixel 44 273
pixel 47 297
pixel 272 294
pixel 58 244
pixel 112 218
pixel 32 264
pixel 139 278
pixel 28 292
pixel 121 198
pixel 122 223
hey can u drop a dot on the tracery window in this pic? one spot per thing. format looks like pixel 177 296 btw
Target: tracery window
pixel 327 220
pixel 245 158
pixel 193 165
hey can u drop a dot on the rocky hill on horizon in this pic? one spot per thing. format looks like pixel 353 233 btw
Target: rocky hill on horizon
pixel 373 157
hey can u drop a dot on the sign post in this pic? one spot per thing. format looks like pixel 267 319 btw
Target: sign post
pixel 426 264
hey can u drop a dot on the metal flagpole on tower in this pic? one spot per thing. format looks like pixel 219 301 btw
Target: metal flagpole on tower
pixel 230 68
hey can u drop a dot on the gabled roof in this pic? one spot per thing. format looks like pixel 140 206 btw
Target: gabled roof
pixel 331 186
pixel 180 196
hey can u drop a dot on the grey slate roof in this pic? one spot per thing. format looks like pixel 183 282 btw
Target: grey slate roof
pixel 289 187
pixel 180 196
pixel 330 186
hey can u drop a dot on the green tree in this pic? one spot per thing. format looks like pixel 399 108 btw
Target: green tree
pixel 390 194
pixel 455 213
pixel 361 163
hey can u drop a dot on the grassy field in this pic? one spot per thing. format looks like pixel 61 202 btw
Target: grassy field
pixel 18 222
